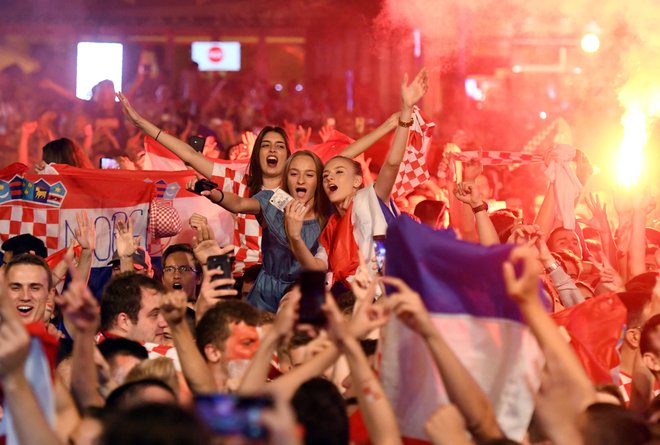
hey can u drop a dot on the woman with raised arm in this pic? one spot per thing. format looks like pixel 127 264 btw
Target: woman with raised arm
pixel 363 212
pixel 306 216
pixel 264 172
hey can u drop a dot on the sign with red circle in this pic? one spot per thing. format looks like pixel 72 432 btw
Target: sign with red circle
pixel 215 54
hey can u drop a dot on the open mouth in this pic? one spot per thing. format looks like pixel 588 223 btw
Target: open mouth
pixel 301 192
pixel 272 161
pixel 24 310
pixel 333 188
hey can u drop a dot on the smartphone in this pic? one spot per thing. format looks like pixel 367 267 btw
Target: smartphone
pixel 312 288
pixel 219 412
pixel 231 415
pixel 204 184
pixel 108 164
pixel 221 262
pixel 250 410
pixel 380 251
pixel 197 143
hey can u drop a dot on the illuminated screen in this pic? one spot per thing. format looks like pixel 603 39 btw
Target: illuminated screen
pixel 217 56
pixel 96 62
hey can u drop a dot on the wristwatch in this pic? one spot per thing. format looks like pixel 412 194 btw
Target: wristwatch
pixel 479 208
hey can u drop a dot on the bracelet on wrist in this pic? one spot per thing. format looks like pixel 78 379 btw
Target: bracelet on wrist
pixel 483 207
pixel 552 267
pixel 406 124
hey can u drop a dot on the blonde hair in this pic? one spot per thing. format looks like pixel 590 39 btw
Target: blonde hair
pixel 159 368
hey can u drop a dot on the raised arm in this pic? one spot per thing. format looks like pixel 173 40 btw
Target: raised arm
pixel 410 94
pixel 181 149
pixel 462 390
pixel 546 216
pixel 473 204
pixel 82 311
pixel 195 369
pixel 365 142
pixel 375 407
pixel 566 390
pixel 255 377
pixel 637 246
pixel 228 200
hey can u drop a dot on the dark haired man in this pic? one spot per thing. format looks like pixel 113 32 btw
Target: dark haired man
pixel 181 270
pixel 130 308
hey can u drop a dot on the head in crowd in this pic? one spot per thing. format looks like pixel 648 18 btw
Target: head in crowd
pixel 103 93
pixel 140 392
pixel 651 258
pixel 122 355
pixel 181 270
pixel 562 239
pixel 227 336
pixel 504 220
pixel 249 278
pixel 159 368
pixel 649 344
pixel 302 174
pixel 141 263
pixel 610 424
pixel 30 286
pixel 23 243
pixel 163 424
pixel 342 178
pixel 270 152
pixel 65 151
pixel 321 410
pixel 430 212
pixel 130 308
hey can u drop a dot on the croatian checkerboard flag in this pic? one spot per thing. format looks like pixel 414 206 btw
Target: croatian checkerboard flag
pixel 461 285
pixel 46 207
pixel 414 171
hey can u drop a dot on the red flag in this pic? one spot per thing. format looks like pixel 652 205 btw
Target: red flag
pixel 595 342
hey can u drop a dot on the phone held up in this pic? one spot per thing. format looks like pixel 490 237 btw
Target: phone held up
pixel 223 263
pixel 204 185
pixel 380 251
pixel 197 143
pixel 108 164
pixel 312 289
pixel 228 415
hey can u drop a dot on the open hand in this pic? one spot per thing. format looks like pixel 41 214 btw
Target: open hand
pixel 128 110
pixel 125 243
pixel 413 92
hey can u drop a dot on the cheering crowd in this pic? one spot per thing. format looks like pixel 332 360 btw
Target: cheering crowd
pixel 279 338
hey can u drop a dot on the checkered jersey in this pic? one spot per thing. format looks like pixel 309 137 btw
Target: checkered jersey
pixel 414 171
pixel 497 157
pixel 247 231
pixel 44 223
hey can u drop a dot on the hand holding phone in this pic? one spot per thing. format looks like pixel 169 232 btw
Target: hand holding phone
pixel 221 262
pixel 197 143
pixel 204 185
pixel 280 199
pixel 312 289
pixel 380 251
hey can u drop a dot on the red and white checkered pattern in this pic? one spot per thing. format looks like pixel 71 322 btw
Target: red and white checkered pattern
pixel 414 171
pixel 247 230
pixel 497 157
pixel 44 223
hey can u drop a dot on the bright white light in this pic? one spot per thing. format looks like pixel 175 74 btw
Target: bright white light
pixel 417 43
pixel 217 56
pixel 543 115
pixel 590 43
pixel 96 62
pixel 630 161
pixel 299 87
pixel 517 69
pixel 278 87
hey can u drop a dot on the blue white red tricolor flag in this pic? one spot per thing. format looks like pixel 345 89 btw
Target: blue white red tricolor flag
pixel 461 285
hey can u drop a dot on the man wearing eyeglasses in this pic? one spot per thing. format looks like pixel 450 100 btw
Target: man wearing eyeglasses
pixel 181 270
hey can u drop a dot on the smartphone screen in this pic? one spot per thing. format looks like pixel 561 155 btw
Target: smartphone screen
pixel 312 288
pixel 221 262
pixel 197 143
pixel 109 164
pixel 220 413
pixel 380 251
pixel 251 409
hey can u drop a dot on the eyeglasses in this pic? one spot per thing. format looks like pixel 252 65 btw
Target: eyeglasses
pixel 181 269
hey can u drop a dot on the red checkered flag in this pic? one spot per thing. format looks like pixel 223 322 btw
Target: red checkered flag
pixel 558 132
pixel 414 171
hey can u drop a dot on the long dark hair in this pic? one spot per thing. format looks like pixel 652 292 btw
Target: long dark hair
pixel 65 151
pixel 255 180
pixel 321 202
